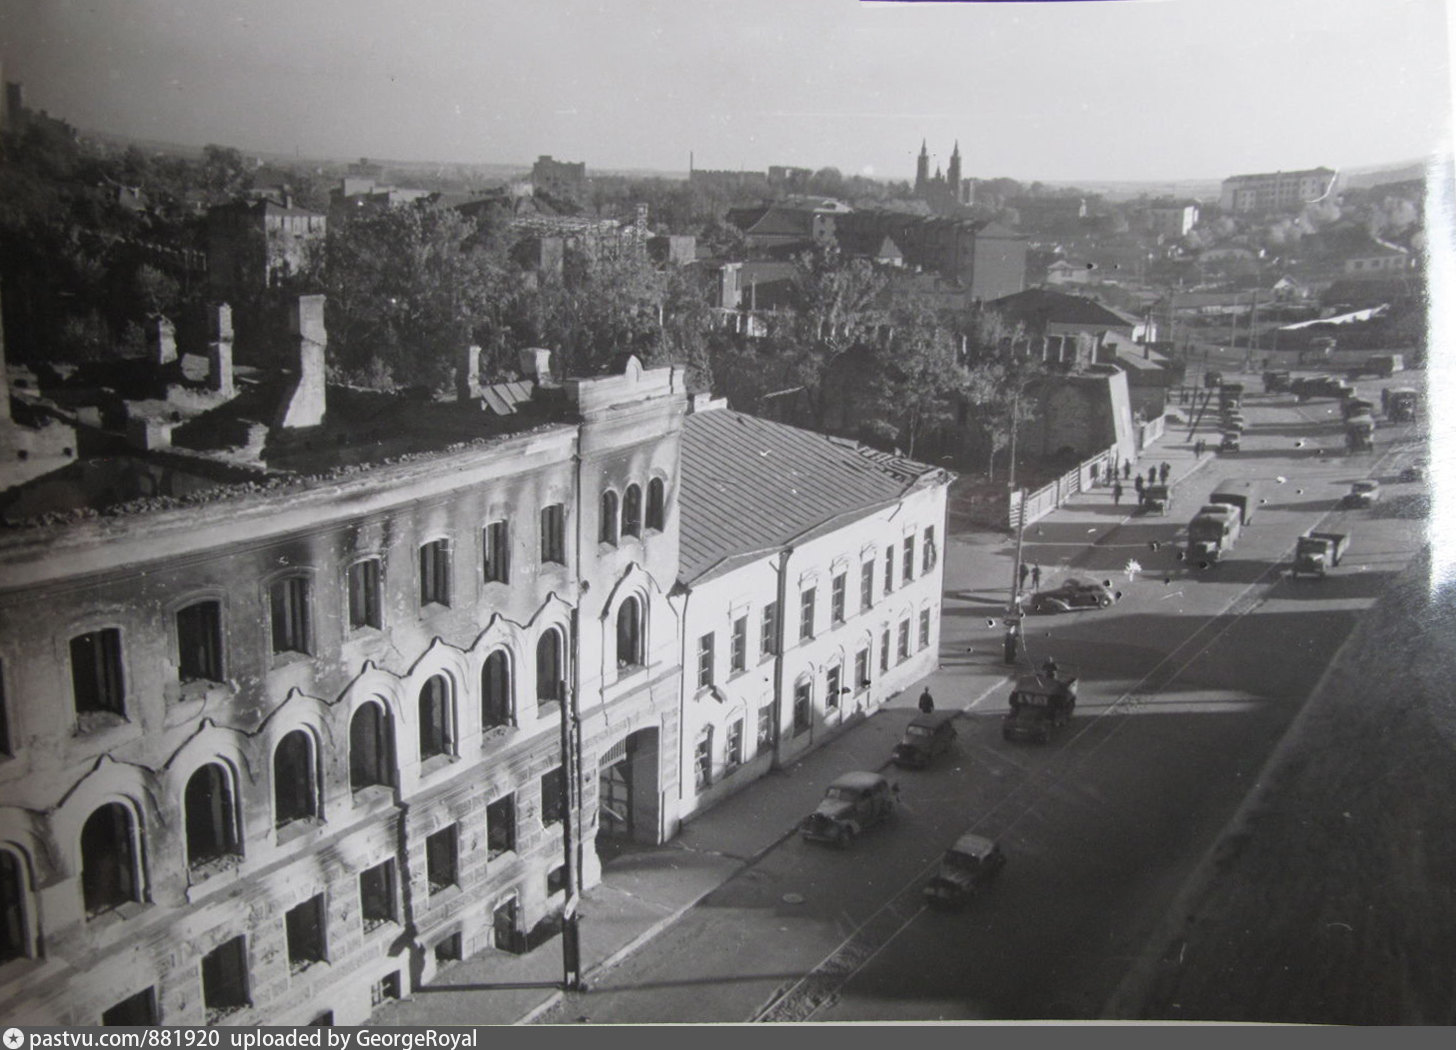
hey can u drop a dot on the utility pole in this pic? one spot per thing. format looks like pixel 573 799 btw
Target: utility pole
pixel 571 826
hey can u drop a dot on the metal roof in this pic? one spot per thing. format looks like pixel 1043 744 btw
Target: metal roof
pixel 751 486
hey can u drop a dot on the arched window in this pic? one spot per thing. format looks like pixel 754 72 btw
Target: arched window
pixel 632 511
pixel 108 859
pixel 212 826
pixel 14 942
pixel 436 731
pixel 609 517
pixel 371 752
pixel 495 689
pixel 656 498
pixel 629 634
pixel 549 681
pixel 295 785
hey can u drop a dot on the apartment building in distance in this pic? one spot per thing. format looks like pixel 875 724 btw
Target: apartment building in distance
pixel 1277 191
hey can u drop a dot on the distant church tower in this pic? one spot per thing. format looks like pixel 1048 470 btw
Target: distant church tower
pixel 943 192
pixel 922 171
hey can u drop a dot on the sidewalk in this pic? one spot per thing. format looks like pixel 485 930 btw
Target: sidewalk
pixel 644 891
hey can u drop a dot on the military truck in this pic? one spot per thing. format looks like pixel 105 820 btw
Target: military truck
pixel 1040 703
pixel 1315 553
pixel 1400 404
pixel 1360 433
pixel 1276 381
pixel 1211 532
pixel 1243 496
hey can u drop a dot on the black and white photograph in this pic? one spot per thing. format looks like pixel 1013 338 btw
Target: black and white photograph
pixel 799 512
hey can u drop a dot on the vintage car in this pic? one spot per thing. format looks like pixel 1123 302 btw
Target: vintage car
pixel 1361 494
pixel 1413 472
pixel 966 868
pixel 1233 421
pixel 853 803
pixel 926 736
pixel 1072 594
pixel 1230 442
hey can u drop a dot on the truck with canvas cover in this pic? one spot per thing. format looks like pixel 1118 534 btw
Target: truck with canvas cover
pixel 1157 499
pixel 1400 404
pixel 1315 553
pixel 1276 381
pixel 1210 535
pixel 1356 406
pixel 1243 496
pixel 1360 434
pixel 1040 703
pixel 1385 365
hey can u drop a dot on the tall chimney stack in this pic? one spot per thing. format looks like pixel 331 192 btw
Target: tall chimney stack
pixel 219 349
pixel 162 338
pixel 304 405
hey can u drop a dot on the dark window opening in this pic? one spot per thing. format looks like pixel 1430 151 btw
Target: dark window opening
pixel 295 792
pixel 450 949
pixel 907 570
pixel 495 690
pixel 867 585
pixel 768 637
pixel 703 759
pixel 442 858
pixel 225 978
pixel 289 602
pixel 862 670
pixel 96 672
pixel 553 796
pixel 608 530
pixel 632 511
pixel 199 642
pixel 889 569
pixel 500 826
pixel 831 687
pixel 435 573
pixel 497 553
pixel 733 755
pixel 377 903
pixel 364 598
pixel 705 660
pixel 108 859
pixel 803 707
pixel 550 682
pixel 134 1011
pixel 927 560
pixel 553 534
pixel 556 880
pixel 656 501
pixel 885 651
pixel 924 628
pixel 629 634
pixel 435 729
pixel 385 989
pixel 738 648
pixel 304 925
pixel 806 614
pixel 904 651
pixel 765 729
pixel 212 826
pixel 13 938
pixel 371 754
pixel 836 599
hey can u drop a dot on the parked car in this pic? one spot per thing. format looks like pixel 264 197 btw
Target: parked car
pixel 1413 472
pixel 1072 594
pixel 853 803
pixel 1362 494
pixel 926 736
pixel 1233 421
pixel 1230 442
pixel 965 869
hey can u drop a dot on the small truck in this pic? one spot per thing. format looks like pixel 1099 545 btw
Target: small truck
pixel 1276 380
pixel 1040 703
pixel 1315 553
pixel 965 869
pixel 1157 499
pixel 1243 496
pixel 1211 532
pixel 1360 434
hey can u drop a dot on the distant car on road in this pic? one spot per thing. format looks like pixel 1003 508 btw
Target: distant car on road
pixel 926 736
pixel 1413 472
pixel 1362 494
pixel 1072 594
pixel 853 803
pixel 1230 442
pixel 1233 421
pixel 965 869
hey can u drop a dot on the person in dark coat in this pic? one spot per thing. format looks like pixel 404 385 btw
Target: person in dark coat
pixel 1126 469
pixel 1036 577
pixel 1012 633
pixel 1025 571
pixel 1049 667
pixel 1163 473
pixel 927 702
pixel 1116 493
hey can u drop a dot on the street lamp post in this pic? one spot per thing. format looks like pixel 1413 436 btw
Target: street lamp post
pixel 1013 606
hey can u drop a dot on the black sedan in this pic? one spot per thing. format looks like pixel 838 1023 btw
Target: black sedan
pixel 1072 594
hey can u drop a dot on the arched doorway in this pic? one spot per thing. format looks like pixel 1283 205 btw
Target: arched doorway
pixel 627 794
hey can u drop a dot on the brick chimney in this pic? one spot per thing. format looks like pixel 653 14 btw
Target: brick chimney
pixel 161 339
pixel 220 349
pixel 303 406
pixel 467 379
pixel 536 364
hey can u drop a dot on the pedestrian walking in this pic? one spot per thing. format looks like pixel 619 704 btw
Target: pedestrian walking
pixel 1116 493
pixel 1152 475
pixel 1013 632
pixel 1036 577
pixel 1049 667
pixel 1126 469
pixel 927 703
pixel 1139 484
pixel 1163 473
pixel 1025 571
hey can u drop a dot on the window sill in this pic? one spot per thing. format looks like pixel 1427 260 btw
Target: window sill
pixel 435 763
pixel 119 914
pixel 445 894
pixel 288 657
pixel 88 722
pixel 296 968
pixel 492 856
pixel 433 608
pixel 297 828
pixel 373 926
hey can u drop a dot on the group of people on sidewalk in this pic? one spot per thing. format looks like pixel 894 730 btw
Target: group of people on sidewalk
pixel 1156 476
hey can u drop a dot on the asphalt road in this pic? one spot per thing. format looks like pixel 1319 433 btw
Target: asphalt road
pixel 1187 684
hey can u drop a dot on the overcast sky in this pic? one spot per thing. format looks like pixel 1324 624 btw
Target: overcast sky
pixel 1100 89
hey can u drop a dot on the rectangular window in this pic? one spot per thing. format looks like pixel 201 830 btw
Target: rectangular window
pixel 924 628
pixel 553 797
pixel 885 651
pixel 435 573
pixel 836 599
pixel 225 978
pixel 304 926
pixel 377 902
pixel 556 880
pixel 500 826
pixel 889 569
pixel 806 614
pixel 364 599
pixel 861 670
pixel 904 652
pixel 199 642
pixel 803 706
pixel 867 585
pixel 450 949
pixel 497 544
pixel 553 534
pixel 442 858
pixel 908 570
pixel 133 1011
pixel 384 989
pixel 927 553
pixel 703 759
pixel 705 661
pixel 733 756
pixel 765 728
pixel 96 672
pixel 768 635
pixel 289 601
pixel 739 651
pixel 831 687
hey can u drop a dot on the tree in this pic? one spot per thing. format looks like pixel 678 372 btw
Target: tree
pixel 915 379
pixel 999 387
